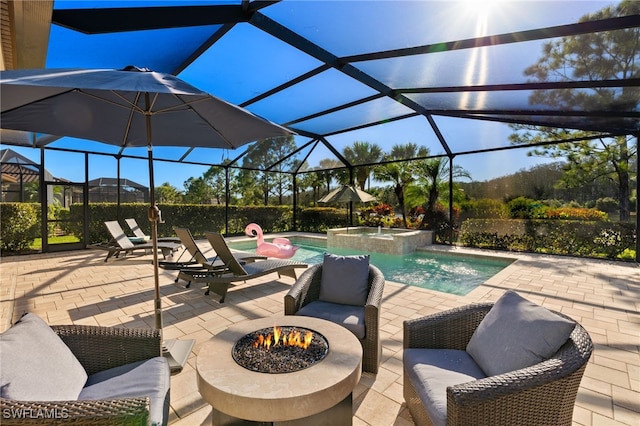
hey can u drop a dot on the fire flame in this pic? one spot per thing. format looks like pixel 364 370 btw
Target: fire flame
pixel 278 337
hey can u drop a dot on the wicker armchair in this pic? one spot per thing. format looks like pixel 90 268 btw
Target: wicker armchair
pixel 306 289
pixel 97 349
pixel 543 394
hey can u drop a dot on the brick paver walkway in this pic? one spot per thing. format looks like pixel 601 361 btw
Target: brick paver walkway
pixel 79 287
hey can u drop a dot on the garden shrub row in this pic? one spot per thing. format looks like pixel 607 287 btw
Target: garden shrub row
pixel 571 237
pixel 197 218
pixel 319 219
pixel 21 221
pixel 589 238
pixel 21 224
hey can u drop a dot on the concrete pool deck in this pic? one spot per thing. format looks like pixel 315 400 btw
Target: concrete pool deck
pixel 79 287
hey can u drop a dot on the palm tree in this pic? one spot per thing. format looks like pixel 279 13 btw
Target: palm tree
pixel 400 173
pixel 362 153
pixel 313 180
pixel 328 175
pixel 432 181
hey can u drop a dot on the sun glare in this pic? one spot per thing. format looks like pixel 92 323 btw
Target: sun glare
pixel 480 8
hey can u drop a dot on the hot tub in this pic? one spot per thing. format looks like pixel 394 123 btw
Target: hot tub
pixel 379 240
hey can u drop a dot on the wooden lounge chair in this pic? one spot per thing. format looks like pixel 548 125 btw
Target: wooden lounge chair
pixel 120 243
pixel 219 279
pixel 140 236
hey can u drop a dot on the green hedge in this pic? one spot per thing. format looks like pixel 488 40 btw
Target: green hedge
pixel 25 220
pixel 319 219
pixel 20 225
pixel 571 237
pixel 198 218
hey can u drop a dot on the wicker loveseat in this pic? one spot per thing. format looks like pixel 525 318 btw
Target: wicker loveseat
pixel 125 366
pixel 541 394
pixel 305 294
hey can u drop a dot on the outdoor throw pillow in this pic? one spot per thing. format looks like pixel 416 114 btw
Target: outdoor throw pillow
pixel 345 279
pixel 37 365
pixel 515 334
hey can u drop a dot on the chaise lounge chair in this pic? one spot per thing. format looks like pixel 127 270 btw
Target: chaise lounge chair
pixel 140 236
pixel 198 260
pixel 219 279
pixel 120 243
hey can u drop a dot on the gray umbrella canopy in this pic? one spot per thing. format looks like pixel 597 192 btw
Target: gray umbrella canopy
pixel 345 194
pixel 129 108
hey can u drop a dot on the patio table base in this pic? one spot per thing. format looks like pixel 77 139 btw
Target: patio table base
pixel 339 414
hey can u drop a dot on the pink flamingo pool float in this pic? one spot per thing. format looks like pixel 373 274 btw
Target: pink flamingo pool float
pixel 279 247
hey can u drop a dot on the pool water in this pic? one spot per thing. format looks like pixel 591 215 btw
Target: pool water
pixel 448 273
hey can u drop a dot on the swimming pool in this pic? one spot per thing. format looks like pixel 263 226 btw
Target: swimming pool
pixel 448 273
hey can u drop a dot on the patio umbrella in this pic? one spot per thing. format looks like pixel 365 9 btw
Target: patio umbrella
pixel 347 194
pixel 132 107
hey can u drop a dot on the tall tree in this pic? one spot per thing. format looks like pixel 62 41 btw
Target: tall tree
pixel 198 191
pixel 362 153
pixel 216 179
pixel 608 55
pixel 313 180
pixel 168 194
pixel 269 154
pixel 399 171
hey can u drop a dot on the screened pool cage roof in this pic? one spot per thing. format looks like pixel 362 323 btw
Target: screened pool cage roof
pixel 336 72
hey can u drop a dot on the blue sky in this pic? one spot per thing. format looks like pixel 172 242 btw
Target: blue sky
pixel 207 70
pixel 480 166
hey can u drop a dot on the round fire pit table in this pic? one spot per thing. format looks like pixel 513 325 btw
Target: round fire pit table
pixel 317 395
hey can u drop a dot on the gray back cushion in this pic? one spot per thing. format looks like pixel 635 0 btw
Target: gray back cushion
pixel 37 365
pixel 516 334
pixel 345 279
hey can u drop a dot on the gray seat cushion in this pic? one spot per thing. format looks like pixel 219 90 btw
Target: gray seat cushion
pixel 150 378
pixel 351 317
pixel 37 365
pixel 515 334
pixel 345 279
pixel 431 371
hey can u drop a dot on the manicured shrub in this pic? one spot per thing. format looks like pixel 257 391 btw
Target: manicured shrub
pixel 607 204
pixel 595 238
pixel 197 217
pixel 523 208
pixel 20 225
pixel 573 213
pixel 484 208
pixel 319 219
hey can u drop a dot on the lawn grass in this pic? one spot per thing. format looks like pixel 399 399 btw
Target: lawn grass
pixel 37 243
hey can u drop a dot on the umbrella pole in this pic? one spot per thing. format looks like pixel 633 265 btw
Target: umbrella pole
pixel 176 351
pixel 154 217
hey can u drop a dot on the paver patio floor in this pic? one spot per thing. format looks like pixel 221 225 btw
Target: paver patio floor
pixel 79 287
